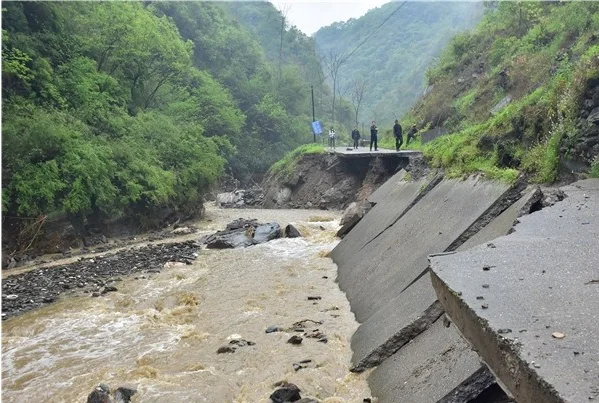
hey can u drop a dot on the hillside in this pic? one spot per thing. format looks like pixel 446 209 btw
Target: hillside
pixel 135 110
pixel 293 55
pixel 519 94
pixel 393 61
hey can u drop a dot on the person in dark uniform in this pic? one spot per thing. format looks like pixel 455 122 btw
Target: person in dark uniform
pixel 398 135
pixel 412 134
pixel 374 136
pixel 355 135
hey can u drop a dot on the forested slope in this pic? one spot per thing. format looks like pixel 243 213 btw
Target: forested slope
pixel 519 94
pixel 294 56
pixel 393 60
pixel 122 109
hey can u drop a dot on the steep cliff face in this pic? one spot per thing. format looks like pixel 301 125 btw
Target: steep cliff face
pixel 329 182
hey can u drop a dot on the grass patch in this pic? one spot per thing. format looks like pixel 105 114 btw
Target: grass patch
pixel 595 168
pixel 285 167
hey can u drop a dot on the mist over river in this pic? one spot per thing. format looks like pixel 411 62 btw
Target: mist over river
pixel 160 334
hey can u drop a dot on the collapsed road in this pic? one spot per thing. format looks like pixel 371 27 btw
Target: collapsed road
pixel 414 338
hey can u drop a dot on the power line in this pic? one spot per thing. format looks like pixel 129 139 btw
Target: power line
pixel 373 32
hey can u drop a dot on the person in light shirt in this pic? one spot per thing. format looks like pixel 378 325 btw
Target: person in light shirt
pixel 332 138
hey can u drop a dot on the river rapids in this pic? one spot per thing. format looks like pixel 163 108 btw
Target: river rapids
pixel 160 334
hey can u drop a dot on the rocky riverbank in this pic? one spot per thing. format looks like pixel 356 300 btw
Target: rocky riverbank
pixel 94 276
pixel 99 275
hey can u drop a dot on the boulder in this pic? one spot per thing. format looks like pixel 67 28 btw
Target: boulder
pixel 291 232
pixel 123 395
pixel 241 223
pixel 184 231
pixel 283 196
pixel 352 215
pixel 287 393
pixel 100 395
pixel 242 233
pixel 229 240
pixel 227 198
pixel 266 232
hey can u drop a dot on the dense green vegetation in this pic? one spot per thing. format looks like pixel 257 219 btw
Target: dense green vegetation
pixel 542 60
pixel 393 60
pixel 120 109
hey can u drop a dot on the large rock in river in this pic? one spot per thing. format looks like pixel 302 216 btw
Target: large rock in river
pixel 292 232
pixel 352 215
pixel 229 239
pixel 243 233
pixel 267 232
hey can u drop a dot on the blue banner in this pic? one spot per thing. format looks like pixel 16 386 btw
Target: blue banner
pixel 316 129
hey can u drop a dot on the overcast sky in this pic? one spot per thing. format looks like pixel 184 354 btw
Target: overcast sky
pixel 310 15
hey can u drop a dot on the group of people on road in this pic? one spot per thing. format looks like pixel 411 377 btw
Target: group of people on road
pixel 397 133
pixel 374 136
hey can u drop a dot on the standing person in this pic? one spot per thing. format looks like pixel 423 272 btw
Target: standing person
pixel 412 134
pixel 332 138
pixel 355 135
pixel 374 136
pixel 398 135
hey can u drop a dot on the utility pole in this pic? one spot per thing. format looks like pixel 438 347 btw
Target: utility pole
pixel 313 114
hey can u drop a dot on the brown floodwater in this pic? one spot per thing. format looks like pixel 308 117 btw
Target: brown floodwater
pixel 161 334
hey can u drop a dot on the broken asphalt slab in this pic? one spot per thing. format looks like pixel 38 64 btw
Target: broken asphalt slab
pixel 392 199
pixel 512 300
pixel 436 367
pixel 396 258
pixel 390 328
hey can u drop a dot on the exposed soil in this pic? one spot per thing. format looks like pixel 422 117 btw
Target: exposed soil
pixel 330 182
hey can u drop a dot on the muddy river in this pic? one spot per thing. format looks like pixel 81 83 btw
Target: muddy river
pixel 160 335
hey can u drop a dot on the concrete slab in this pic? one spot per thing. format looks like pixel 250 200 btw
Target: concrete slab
pixel 413 310
pixel 503 223
pixel 394 198
pixel 437 366
pixel 388 264
pixel 386 188
pixel 394 325
pixel 542 278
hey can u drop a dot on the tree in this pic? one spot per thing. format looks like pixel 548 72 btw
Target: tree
pixel 333 62
pixel 357 87
pixel 284 9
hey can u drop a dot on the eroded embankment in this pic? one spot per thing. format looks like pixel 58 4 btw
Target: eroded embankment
pixel 328 181
pixel 383 268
